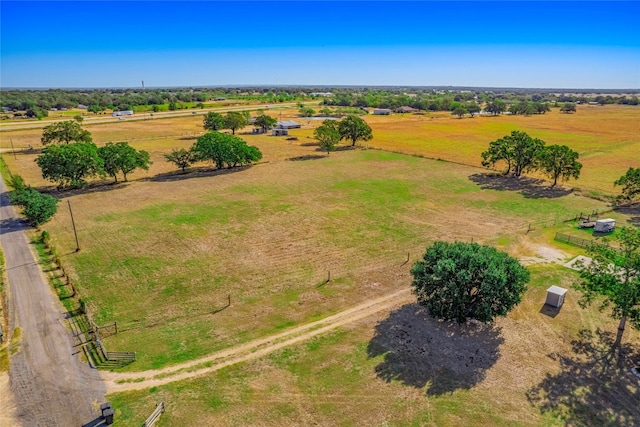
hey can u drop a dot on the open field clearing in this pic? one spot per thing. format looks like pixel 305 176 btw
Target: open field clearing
pixel 164 254
pixel 160 256
pixel 605 137
pixel 401 368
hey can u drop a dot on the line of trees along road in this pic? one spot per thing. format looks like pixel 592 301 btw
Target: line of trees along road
pixel 37 102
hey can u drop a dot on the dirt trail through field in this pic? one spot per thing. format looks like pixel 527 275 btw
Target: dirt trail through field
pixel 49 384
pixel 117 382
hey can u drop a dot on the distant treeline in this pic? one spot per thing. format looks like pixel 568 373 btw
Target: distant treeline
pixel 99 100
pixel 448 100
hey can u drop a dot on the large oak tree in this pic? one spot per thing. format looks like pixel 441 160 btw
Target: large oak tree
pixel 461 281
pixel 559 161
pixel 354 129
pixel 70 164
pixel 64 133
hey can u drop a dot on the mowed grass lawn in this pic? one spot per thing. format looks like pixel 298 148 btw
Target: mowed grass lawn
pixel 403 369
pixel 159 257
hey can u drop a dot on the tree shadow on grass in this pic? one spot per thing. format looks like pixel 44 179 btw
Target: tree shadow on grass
pixel 307 157
pixel 202 172
pixel 530 188
pixel 443 356
pixel 633 211
pixel 100 186
pixel 595 386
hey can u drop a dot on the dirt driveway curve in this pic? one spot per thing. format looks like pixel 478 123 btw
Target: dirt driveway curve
pixel 49 385
pixel 117 382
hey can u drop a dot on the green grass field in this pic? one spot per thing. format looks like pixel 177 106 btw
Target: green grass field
pixel 402 369
pixel 159 264
pixel 161 254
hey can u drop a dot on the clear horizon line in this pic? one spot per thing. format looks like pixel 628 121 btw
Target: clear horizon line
pixel 347 86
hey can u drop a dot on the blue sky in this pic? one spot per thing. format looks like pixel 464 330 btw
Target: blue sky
pixel 500 44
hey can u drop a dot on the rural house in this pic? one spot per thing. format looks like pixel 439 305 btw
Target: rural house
pixel 287 124
pixel 406 109
pixel 382 111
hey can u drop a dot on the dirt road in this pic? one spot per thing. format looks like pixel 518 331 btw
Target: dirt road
pixel 117 382
pixel 50 385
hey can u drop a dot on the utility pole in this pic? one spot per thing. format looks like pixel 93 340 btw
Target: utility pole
pixel 75 233
pixel 13 148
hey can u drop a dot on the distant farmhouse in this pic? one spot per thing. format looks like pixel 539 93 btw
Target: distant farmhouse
pixel 382 111
pixel 283 126
pixel 406 109
pixel 287 124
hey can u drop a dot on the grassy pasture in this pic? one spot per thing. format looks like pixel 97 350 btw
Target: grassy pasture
pixel 607 138
pixel 403 369
pixel 160 256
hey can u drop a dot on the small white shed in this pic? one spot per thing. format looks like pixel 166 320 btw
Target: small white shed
pixel 605 225
pixel 555 296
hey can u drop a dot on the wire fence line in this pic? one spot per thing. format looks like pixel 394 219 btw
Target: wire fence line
pixel 552 222
pixel 578 241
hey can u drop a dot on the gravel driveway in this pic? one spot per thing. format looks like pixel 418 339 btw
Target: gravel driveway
pixel 49 383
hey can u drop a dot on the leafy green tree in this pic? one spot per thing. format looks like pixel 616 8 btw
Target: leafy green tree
pixel 265 122
pixel 559 161
pixel 64 133
pixel 36 112
pixel 95 109
pixel 326 111
pixel 307 111
pixel 224 150
pixel 78 118
pixel 461 281
pixel 499 150
pixel 16 182
pixel 496 107
pixel 473 108
pixel 38 208
pixel 354 129
pixel 630 182
pixel 612 278
pixel 518 150
pixel 70 164
pixel 542 107
pixel 214 121
pixel 459 111
pixel 235 120
pixel 121 157
pixel 181 158
pixel 568 107
pixel 328 135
